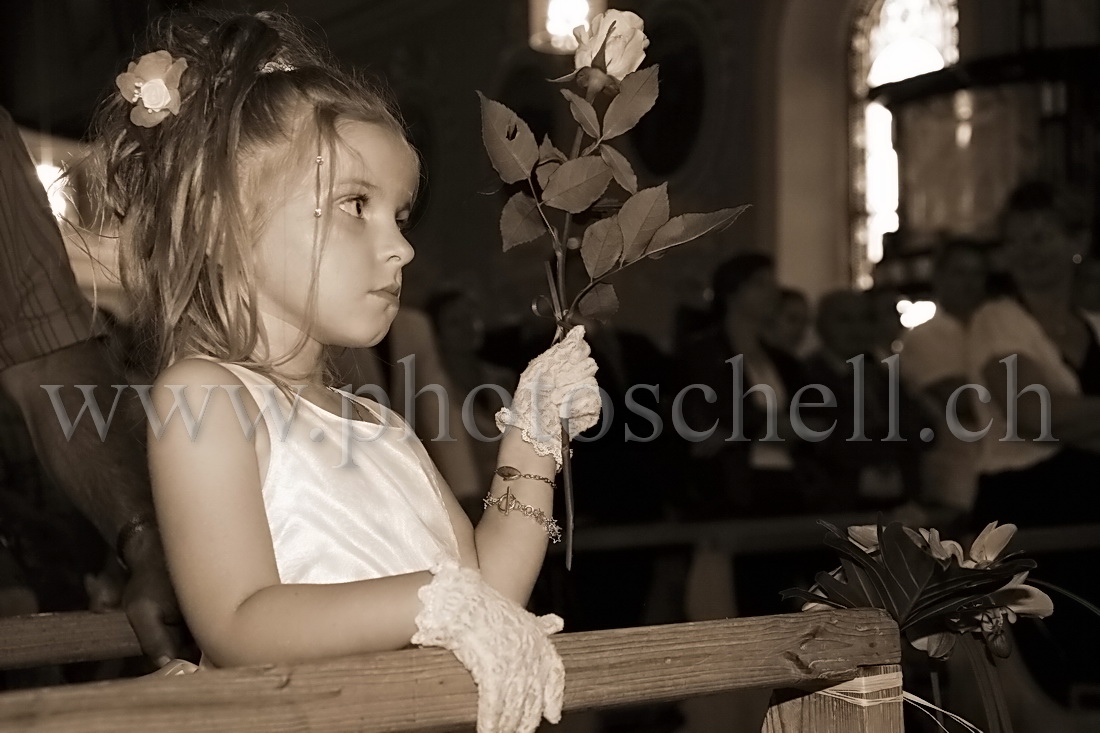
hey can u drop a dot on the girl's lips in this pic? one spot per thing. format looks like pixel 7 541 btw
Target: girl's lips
pixel 389 294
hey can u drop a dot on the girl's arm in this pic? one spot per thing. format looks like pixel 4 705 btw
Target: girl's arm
pixel 512 547
pixel 218 545
pixel 559 382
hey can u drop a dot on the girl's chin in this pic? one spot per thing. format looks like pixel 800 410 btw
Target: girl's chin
pixel 362 339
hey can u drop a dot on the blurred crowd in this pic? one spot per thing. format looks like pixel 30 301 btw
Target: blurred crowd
pixel 706 430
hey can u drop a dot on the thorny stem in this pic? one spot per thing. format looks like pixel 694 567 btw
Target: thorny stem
pixel 563 247
pixel 560 250
pixel 546 222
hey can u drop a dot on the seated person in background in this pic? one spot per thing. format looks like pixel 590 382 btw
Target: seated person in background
pixel 870 471
pixel 48 336
pixel 1033 481
pixel 791 323
pixel 754 473
pixel 884 322
pixel 933 367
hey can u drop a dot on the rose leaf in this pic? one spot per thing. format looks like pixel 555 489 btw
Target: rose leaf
pixel 637 94
pixel 520 221
pixel 599 303
pixel 686 227
pixel 643 214
pixel 602 246
pixel 620 168
pixel 583 113
pixel 508 140
pixel 547 151
pixel 544 171
pixel 577 184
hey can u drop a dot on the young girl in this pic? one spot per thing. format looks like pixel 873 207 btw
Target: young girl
pixel 261 196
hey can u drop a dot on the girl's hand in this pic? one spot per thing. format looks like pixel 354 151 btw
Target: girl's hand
pixel 559 383
pixel 519 675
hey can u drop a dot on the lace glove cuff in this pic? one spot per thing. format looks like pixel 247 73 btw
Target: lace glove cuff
pixel 559 383
pixel 519 675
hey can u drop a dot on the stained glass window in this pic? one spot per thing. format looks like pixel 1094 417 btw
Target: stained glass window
pixel 892 40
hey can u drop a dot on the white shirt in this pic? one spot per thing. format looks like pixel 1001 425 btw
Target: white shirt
pixel 934 351
pixel 1001 328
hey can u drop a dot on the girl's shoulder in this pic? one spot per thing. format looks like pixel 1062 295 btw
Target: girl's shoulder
pixel 197 371
pixel 198 378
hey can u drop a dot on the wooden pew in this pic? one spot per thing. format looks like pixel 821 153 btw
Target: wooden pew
pixel 427 689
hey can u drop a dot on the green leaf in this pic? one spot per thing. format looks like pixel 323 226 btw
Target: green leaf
pixel 577 184
pixel 620 168
pixel 686 227
pixel 643 214
pixel 599 302
pixel 602 246
pixel 637 93
pixel 544 171
pixel 875 570
pixel 583 113
pixel 508 140
pixel 801 594
pixel 840 592
pixel 520 221
pixel 547 152
pixel 910 568
pixel 857 576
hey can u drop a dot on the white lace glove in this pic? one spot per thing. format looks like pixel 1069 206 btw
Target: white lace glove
pixel 520 677
pixel 559 382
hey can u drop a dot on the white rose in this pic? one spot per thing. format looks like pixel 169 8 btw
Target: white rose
pixel 154 95
pixel 625 48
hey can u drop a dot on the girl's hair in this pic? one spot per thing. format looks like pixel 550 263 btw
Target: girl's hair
pixel 258 101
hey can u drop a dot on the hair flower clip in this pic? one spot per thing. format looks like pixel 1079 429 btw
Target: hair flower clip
pixel 152 85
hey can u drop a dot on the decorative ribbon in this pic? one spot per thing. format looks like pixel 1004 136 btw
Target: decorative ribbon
pixel 848 691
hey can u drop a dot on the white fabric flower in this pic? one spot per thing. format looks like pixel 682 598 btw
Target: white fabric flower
pixel 151 84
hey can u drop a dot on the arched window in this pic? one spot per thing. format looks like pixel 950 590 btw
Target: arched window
pixel 892 40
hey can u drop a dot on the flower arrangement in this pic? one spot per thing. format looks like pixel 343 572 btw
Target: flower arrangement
pixel 930 586
pixel 938 594
pixel 622 228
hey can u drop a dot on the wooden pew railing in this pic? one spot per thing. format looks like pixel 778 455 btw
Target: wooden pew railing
pixel 427 689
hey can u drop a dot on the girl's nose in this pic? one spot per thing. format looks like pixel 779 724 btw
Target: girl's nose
pixel 400 250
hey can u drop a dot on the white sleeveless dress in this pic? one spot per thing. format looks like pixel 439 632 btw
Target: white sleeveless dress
pixel 348 500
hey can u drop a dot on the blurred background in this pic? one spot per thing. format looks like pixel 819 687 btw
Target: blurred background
pixel 859 130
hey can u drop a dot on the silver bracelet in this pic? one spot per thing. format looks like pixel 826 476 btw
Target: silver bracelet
pixel 506 502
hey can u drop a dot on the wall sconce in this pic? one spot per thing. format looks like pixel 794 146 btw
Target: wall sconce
pixel 551 22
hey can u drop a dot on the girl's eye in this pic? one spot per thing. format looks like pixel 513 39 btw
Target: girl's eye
pixel 355 206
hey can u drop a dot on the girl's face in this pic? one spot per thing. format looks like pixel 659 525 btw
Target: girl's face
pixel 363 250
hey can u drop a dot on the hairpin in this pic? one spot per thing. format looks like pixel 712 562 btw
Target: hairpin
pixel 271 66
pixel 152 84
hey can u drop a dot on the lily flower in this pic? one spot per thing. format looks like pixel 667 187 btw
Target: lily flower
pixel 944 550
pixel 988 545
